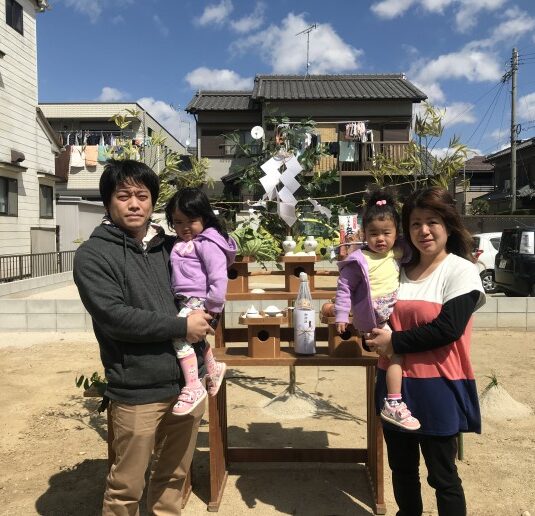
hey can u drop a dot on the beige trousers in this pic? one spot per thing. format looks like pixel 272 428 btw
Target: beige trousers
pixel 142 431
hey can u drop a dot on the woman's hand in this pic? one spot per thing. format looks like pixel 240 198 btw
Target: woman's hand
pixel 380 341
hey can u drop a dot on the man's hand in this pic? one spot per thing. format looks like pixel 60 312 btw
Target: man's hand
pixel 380 341
pixel 198 326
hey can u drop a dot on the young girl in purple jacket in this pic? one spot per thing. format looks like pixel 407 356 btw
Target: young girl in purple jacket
pixel 368 285
pixel 199 261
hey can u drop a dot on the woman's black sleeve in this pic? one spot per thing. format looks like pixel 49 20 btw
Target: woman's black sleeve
pixel 445 329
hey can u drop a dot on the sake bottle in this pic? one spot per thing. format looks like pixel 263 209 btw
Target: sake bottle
pixel 304 319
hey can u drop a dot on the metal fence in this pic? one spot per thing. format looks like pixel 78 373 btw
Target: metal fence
pixel 22 266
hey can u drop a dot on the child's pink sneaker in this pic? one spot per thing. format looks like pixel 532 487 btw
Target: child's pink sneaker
pixel 398 414
pixel 188 399
pixel 214 381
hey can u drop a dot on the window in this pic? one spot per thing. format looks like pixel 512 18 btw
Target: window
pixel 14 16
pixel 46 202
pixel 8 197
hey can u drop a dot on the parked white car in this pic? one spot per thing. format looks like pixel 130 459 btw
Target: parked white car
pixel 486 247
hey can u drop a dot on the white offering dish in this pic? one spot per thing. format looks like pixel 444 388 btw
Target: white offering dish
pixel 273 311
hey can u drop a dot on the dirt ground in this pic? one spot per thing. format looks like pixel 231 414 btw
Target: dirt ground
pixel 53 448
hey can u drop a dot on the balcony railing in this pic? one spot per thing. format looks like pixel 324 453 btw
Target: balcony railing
pixel 23 266
pixel 364 156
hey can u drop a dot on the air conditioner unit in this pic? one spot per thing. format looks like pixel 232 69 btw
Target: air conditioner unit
pixel 507 185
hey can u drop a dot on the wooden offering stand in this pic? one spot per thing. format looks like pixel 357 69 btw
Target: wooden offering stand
pixel 263 334
pixel 347 344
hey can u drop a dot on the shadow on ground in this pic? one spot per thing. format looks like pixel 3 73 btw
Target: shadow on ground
pixel 75 491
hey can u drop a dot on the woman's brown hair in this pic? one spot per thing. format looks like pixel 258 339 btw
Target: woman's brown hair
pixel 439 200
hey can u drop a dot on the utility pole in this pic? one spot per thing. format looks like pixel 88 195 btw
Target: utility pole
pixel 514 134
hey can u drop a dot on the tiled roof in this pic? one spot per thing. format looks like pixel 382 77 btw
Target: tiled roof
pixel 507 151
pixel 337 87
pixel 221 101
pixel 478 163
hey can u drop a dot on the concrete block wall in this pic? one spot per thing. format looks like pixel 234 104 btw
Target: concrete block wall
pixel 506 313
pixel 43 315
pixel 499 313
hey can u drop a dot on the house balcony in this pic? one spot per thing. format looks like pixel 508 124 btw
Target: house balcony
pixel 362 157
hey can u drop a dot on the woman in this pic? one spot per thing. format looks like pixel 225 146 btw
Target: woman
pixel 432 322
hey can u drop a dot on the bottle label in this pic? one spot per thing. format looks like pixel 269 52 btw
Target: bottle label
pixel 305 331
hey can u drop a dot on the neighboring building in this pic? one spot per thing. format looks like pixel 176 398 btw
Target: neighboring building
pixel 476 177
pixel 87 123
pixel 79 207
pixel 500 199
pixel 27 142
pixel 384 103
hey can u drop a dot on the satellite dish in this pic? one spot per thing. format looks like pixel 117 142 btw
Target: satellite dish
pixel 257 132
pixel 187 142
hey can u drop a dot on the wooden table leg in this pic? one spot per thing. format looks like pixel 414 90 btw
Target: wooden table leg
pixel 374 464
pixel 217 439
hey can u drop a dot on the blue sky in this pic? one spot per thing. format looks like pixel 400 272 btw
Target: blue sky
pixel 159 52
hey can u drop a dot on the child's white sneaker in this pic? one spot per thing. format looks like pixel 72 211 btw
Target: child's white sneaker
pixel 398 414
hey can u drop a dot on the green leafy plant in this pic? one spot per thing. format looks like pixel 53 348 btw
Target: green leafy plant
pixel 417 160
pixel 479 207
pixel 492 384
pixel 258 244
pixel 94 384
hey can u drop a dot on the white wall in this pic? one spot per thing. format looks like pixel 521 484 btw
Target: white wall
pixel 19 130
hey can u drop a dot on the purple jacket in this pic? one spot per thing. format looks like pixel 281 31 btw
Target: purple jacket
pixel 353 293
pixel 199 267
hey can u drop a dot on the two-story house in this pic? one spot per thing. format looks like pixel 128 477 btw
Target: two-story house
pixel 474 179
pixel 27 142
pixel 500 200
pixel 380 106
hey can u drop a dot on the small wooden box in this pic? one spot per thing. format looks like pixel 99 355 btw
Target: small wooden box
pixel 238 276
pixel 263 335
pixel 347 344
pixel 295 265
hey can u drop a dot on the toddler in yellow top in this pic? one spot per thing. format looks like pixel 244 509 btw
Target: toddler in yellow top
pixel 380 260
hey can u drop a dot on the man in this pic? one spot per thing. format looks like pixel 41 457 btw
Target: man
pixel 123 278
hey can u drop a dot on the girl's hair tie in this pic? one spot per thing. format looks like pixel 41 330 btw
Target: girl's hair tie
pixel 379 203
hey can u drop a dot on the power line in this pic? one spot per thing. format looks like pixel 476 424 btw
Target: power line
pixel 485 115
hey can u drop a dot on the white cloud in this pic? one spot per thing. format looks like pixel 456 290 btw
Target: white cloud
pixel 250 22
pixel 469 9
pixel 469 64
pixel 389 9
pixel 117 19
pixel 180 125
pixel 215 14
pixel 160 25
pixel 526 108
pixel 285 52
pixel 516 24
pixel 458 113
pixel 466 11
pixel 109 94
pixel 94 8
pixel 203 78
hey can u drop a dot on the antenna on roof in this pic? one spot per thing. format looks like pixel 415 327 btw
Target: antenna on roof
pixel 307 31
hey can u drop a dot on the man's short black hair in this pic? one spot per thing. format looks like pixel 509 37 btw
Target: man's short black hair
pixel 117 172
